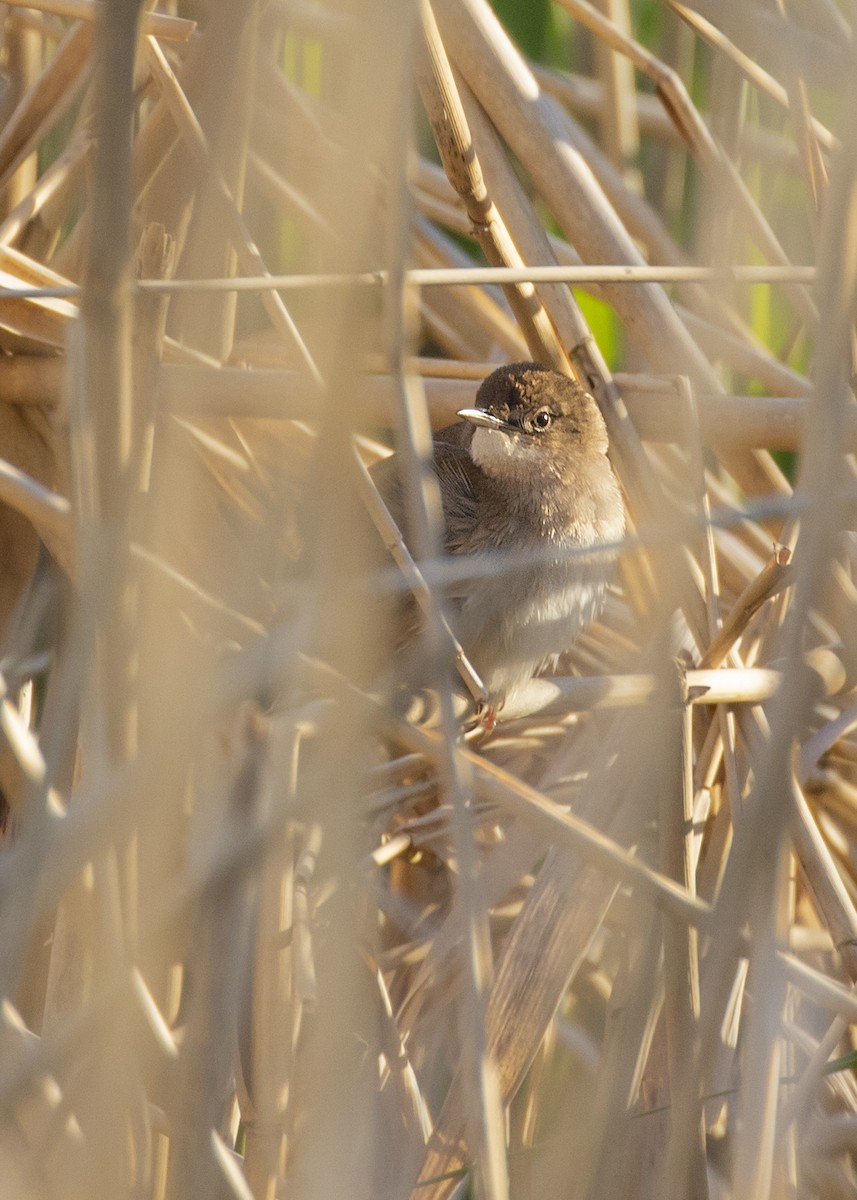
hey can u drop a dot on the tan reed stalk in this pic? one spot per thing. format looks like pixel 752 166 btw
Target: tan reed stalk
pixel 776 422
pixel 585 97
pixel 46 510
pixel 210 324
pixel 25 53
pixel 446 112
pixel 46 101
pixel 753 71
pixel 674 96
pixel 244 245
pixel 475 314
pixel 618 120
pixel 52 187
pixel 93 938
pixel 159 24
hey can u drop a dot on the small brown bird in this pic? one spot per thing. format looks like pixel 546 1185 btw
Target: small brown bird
pixel 526 486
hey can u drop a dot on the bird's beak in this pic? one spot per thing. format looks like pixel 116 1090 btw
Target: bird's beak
pixel 478 416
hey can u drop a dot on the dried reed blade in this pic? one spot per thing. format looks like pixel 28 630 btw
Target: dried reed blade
pixel 46 101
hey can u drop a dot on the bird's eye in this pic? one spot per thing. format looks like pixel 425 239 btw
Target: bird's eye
pixel 543 419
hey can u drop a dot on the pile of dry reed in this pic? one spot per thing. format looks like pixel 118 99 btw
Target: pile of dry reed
pixel 259 935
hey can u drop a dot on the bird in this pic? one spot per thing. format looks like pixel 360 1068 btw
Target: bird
pixel 526 488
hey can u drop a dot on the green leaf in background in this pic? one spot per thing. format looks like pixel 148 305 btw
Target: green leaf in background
pixel 541 30
pixel 847 1063
pixel 648 22
pixel 527 22
pixel 605 326
pixel 302 62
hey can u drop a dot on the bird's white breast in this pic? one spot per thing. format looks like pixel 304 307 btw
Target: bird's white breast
pixel 515 623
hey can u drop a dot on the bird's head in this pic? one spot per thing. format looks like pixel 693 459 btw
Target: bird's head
pixel 532 420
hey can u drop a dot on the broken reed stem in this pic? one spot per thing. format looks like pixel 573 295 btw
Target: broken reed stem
pixel 772 579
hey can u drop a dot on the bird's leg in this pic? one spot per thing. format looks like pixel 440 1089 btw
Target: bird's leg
pixel 469 677
pixel 485 717
pixel 489 719
pixel 484 723
pixel 485 720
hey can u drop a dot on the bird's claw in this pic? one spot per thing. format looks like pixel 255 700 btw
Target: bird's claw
pixel 483 724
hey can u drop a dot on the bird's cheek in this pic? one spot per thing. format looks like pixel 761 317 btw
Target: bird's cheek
pixel 490 448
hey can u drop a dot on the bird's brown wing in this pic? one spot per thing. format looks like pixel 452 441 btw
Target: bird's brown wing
pixel 459 482
pixel 458 478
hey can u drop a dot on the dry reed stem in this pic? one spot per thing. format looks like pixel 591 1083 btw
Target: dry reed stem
pixel 46 101
pixel 811 158
pixel 49 513
pixel 774 576
pixel 778 422
pixel 452 135
pixel 618 123
pixel 159 24
pixel 23 64
pixel 673 93
pixel 483 1103
pixel 751 69
pixel 533 129
pixel 51 188
pixel 585 96
pixel 248 254
pixel 91 937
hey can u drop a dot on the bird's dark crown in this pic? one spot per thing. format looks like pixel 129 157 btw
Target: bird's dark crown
pixel 539 401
